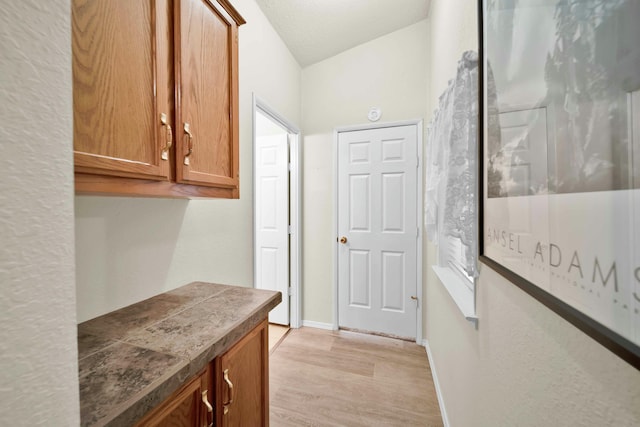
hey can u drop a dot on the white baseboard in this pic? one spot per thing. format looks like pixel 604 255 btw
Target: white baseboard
pixel 317 325
pixel 443 410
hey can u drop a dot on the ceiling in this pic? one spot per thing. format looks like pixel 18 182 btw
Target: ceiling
pixel 318 29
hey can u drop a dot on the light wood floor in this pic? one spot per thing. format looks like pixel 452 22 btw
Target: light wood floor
pixel 276 335
pixel 325 378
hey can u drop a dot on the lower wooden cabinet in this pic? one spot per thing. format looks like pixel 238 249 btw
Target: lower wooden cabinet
pixel 236 383
pixel 241 378
pixel 187 407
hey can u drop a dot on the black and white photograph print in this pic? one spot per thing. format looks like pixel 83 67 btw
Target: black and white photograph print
pixel 562 90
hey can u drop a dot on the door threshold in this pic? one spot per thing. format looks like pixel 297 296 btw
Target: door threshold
pixel 378 334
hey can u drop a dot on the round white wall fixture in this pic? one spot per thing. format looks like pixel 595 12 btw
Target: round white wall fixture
pixel 374 114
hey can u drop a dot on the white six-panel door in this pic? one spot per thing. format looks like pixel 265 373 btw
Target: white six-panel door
pixel 377 216
pixel 272 220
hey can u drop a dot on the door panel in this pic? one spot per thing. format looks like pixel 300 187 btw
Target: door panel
pixel 359 152
pixel 360 203
pixel 393 204
pixel 377 213
pixel 206 52
pixel 393 150
pixel 272 220
pixel 120 87
pixel 360 279
pixel 393 289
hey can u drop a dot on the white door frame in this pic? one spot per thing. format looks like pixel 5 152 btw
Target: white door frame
pixel 336 132
pixel 294 206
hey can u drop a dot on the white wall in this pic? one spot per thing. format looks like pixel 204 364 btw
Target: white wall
pixel 389 72
pixel 524 365
pixel 38 350
pixel 129 249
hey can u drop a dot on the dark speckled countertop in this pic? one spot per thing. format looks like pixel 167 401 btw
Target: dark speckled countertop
pixel 132 359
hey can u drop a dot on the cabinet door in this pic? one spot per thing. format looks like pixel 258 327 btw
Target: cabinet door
pixel 185 408
pixel 206 51
pixel 120 87
pixel 242 378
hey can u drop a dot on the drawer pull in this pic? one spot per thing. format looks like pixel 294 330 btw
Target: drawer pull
pixel 230 385
pixel 187 131
pixel 205 400
pixel 165 150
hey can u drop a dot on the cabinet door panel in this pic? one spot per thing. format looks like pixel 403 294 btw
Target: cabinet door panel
pixel 247 366
pixel 184 408
pixel 206 72
pixel 121 83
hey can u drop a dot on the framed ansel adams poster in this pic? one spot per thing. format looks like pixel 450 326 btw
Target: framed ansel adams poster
pixel 560 169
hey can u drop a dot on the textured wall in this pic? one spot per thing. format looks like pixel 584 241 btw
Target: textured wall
pixel 129 249
pixel 389 72
pixel 525 365
pixel 38 351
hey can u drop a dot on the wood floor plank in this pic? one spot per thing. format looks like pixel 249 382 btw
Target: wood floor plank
pixel 339 361
pixel 326 378
pixel 312 338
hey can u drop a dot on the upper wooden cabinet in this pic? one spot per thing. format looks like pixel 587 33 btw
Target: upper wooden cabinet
pixel 207 101
pixel 156 97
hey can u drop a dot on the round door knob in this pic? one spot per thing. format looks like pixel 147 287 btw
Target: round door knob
pixel 343 240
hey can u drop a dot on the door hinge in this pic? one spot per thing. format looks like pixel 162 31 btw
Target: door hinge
pixel 289 230
pixel 417 161
pixel 417 231
pixel 290 167
pixel 290 291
